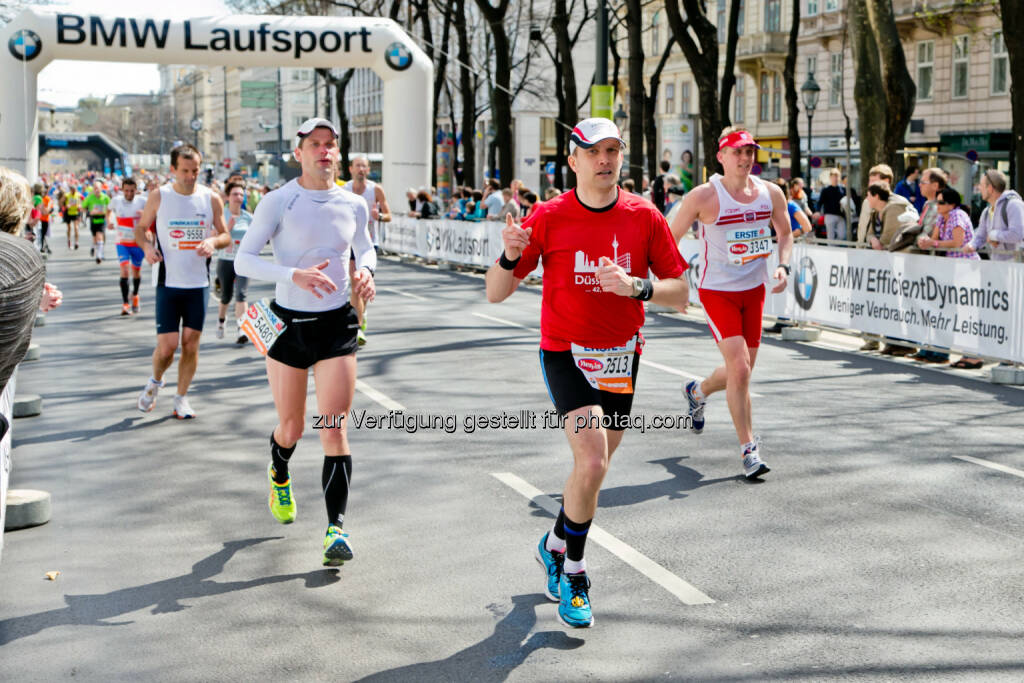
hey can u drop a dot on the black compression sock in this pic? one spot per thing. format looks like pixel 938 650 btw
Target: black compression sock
pixel 135 285
pixel 280 455
pixel 337 474
pixel 575 538
pixel 559 527
pixel 124 289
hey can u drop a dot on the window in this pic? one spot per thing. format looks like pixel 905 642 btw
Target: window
pixel 739 99
pixel 812 7
pixel 684 98
pixel 812 64
pixel 742 18
pixel 835 81
pixel 1000 65
pixel 670 98
pixel 925 69
pixel 722 16
pixel 961 54
pixel 776 97
pixel 764 97
pixel 655 43
pixel 772 15
pixel 831 5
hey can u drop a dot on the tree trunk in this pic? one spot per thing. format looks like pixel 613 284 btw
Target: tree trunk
pixel 650 109
pixel 501 100
pixel 732 36
pixel 468 95
pixel 344 137
pixel 898 86
pixel 1013 25
pixel 569 101
pixel 867 89
pixel 703 61
pixel 440 67
pixel 635 38
pixel 792 106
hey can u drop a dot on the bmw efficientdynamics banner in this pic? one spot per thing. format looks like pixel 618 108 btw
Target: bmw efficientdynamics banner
pixel 971 306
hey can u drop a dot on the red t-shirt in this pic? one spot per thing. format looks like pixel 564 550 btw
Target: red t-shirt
pixel 571 238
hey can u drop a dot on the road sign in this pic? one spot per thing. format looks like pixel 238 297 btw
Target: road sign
pixel 196 124
pixel 815 162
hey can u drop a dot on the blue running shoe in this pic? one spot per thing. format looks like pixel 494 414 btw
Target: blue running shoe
pixel 695 406
pixel 552 563
pixel 574 601
pixel 336 547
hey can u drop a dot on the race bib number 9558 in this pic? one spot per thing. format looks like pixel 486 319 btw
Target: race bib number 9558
pixel 186 235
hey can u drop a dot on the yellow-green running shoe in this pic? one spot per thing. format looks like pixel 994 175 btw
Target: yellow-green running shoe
pixel 337 548
pixel 282 503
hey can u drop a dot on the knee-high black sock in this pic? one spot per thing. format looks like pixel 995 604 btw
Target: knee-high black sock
pixel 559 527
pixel 135 285
pixel 575 538
pixel 124 289
pixel 337 475
pixel 280 455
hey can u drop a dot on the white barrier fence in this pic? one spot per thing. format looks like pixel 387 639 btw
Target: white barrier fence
pixel 974 307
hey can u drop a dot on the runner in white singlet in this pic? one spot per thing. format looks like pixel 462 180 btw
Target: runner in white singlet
pixel 380 212
pixel 736 211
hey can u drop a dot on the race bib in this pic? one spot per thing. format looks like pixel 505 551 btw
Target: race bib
pixel 607 369
pixel 186 235
pixel 261 325
pixel 748 244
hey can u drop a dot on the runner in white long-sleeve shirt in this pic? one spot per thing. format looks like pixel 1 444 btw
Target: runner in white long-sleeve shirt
pixel 313 225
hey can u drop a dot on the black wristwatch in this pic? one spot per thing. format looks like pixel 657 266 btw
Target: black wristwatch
pixel 789 271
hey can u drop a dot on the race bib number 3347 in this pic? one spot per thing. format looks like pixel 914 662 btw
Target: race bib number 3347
pixel 748 244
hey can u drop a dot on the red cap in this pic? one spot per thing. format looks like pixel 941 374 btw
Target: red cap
pixel 739 138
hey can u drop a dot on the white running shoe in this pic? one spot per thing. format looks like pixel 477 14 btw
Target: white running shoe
pixel 182 410
pixel 147 399
pixel 220 330
pixel 753 466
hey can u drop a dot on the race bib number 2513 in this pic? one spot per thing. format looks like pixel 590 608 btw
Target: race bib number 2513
pixel 608 369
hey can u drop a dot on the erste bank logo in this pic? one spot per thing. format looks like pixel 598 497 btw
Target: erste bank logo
pixel 25 45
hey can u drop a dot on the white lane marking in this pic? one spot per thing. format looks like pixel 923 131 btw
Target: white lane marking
pixel 377 396
pixel 505 322
pixel 638 561
pixel 992 465
pixel 400 292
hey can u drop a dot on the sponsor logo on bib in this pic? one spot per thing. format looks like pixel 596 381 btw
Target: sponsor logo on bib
pixel 177 234
pixel 738 248
pixel 590 364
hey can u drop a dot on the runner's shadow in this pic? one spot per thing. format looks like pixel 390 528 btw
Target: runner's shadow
pixel 164 596
pixel 674 488
pixel 495 657
pixel 79 435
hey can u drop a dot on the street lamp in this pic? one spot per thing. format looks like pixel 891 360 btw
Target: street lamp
pixel 620 117
pixel 809 92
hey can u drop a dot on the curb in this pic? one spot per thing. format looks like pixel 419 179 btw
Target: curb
pixel 27 405
pixel 32 353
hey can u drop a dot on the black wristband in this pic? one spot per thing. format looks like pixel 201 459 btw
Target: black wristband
pixel 506 264
pixel 370 270
pixel 787 268
pixel 646 289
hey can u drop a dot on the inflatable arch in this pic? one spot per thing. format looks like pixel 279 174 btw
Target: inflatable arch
pixel 36 37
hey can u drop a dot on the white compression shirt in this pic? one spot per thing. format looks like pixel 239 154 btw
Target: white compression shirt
pixel 307 227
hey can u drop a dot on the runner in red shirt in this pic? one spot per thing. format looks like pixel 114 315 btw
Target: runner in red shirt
pixel 735 211
pixel 597 246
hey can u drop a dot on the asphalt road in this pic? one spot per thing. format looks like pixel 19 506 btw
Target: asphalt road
pixel 871 552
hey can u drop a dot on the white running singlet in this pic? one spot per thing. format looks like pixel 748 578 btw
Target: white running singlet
pixel 127 213
pixel 369 193
pixel 737 245
pixel 307 227
pixel 182 222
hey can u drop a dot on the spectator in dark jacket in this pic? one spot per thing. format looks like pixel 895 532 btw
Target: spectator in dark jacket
pixel 830 203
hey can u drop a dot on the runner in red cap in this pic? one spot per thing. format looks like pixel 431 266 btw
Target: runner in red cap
pixel 736 211
pixel 597 245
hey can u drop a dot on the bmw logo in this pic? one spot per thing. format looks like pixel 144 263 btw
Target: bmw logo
pixel 25 45
pixel 805 285
pixel 398 56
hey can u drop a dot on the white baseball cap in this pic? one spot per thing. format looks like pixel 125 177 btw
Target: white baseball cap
pixel 589 132
pixel 309 125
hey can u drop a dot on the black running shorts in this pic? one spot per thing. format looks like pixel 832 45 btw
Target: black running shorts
pixel 310 337
pixel 569 388
pixel 178 307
